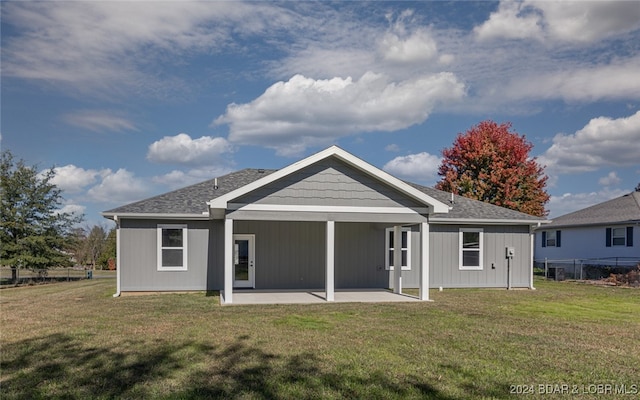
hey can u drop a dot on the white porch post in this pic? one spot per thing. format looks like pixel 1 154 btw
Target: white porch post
pixel 424 262
pixel 330 281
pixel 397 259
pixel 228 261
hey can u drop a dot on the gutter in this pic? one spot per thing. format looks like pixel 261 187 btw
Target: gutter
pixel 117 293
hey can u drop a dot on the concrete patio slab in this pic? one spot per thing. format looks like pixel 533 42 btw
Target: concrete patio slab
pixel 315 296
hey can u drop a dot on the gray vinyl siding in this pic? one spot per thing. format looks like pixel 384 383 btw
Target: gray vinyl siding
pixel 292 255
pixel 139 268
pixel 328 182
pixel 444 255
pixel 359 256
pixel 289 255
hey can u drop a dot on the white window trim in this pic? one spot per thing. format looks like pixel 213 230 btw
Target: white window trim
pixel 614 237
pixel 184 247
pixel 554 238
pixel 387 236
pixel 480 250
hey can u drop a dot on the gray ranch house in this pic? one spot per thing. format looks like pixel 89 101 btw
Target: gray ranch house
pixel 328 222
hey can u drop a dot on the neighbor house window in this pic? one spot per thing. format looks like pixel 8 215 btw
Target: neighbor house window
pixel 470 248
pixel 405 244
pixel 619 236
pixel 551 239
pixel 172 247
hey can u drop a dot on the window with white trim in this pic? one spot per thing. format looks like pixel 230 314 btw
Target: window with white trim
pixel 619 236
pixel 471 248
pixel 405 249
pixel 172 247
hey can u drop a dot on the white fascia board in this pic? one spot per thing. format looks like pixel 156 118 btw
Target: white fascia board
pixel 203 216
pixel 328 209
pixel 437 206
pixel 478 221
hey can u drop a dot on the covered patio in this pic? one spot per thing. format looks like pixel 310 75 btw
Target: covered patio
pixel 245 297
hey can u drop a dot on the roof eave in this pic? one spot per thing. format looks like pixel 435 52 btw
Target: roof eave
pixel 486 221
pixel 181 216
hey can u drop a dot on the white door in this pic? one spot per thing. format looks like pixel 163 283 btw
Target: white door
pixel 244 270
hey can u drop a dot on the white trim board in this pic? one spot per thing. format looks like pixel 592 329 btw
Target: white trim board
pixel 328 209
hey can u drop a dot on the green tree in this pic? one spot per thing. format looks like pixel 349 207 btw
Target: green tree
pixel 108 250
pixel 492 164
pixel 34 232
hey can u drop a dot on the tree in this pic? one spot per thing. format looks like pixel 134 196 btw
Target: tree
pixel 34 232
pixel 108 251
pixel 492 164
pixel 91 245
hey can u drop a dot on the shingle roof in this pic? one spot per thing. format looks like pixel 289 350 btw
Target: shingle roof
pixel 192 200
pixel 619 210
pixel 465 208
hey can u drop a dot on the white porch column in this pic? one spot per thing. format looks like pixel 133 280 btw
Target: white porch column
pixel 424 261
pixel 228 261
pixel 397 259
pixel 330 281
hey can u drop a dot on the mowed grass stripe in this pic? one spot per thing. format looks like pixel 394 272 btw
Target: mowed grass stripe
pixel 73 340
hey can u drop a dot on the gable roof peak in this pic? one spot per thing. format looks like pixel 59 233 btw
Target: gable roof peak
pixel 434 205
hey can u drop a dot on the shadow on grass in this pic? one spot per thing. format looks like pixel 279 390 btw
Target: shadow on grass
pixel 62 366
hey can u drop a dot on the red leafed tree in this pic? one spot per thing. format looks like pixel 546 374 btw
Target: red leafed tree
pixel 492 164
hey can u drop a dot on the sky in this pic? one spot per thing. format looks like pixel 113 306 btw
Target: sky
pixel 127 100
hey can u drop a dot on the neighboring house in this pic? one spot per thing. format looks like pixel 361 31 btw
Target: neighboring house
pixel 326 222
pixel 605 231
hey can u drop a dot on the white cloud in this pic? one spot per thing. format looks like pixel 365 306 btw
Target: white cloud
pixel 587 21
pixel 569 21
pixel 118 187
pixel 392 147
pixel 511 21
pixel 417 47
pixel 618 80
pixel 177 179
pixel 602 142
pixel 99 121
pixel 291 116
pixel 611 179
pixel 570 202
pixel 181 149
pixel 74 179
pixel 421 167
pixel 108 48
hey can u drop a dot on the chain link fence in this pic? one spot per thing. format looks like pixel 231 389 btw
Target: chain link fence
pixel 585 268
pixel 32 276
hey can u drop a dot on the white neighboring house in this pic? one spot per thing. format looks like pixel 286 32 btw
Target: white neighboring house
pixel 607 233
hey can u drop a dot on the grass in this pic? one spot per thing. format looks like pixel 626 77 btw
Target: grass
pixel 73 340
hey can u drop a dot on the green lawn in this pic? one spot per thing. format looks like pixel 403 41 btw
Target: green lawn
pixel 73 340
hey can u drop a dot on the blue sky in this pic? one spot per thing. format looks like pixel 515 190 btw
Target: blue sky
pixel 131 99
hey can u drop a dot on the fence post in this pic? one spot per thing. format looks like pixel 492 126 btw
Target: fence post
pixel 546 269
pixel 68 277
pixel 581 268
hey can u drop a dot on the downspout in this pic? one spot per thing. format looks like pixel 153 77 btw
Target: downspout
pixel 117 293
pixel 531 237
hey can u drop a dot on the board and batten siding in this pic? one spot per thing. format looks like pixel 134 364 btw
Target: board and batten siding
pixel 329 182
pixel 292 255
pixel 139 263
pixel 289 255
pixel 444 257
